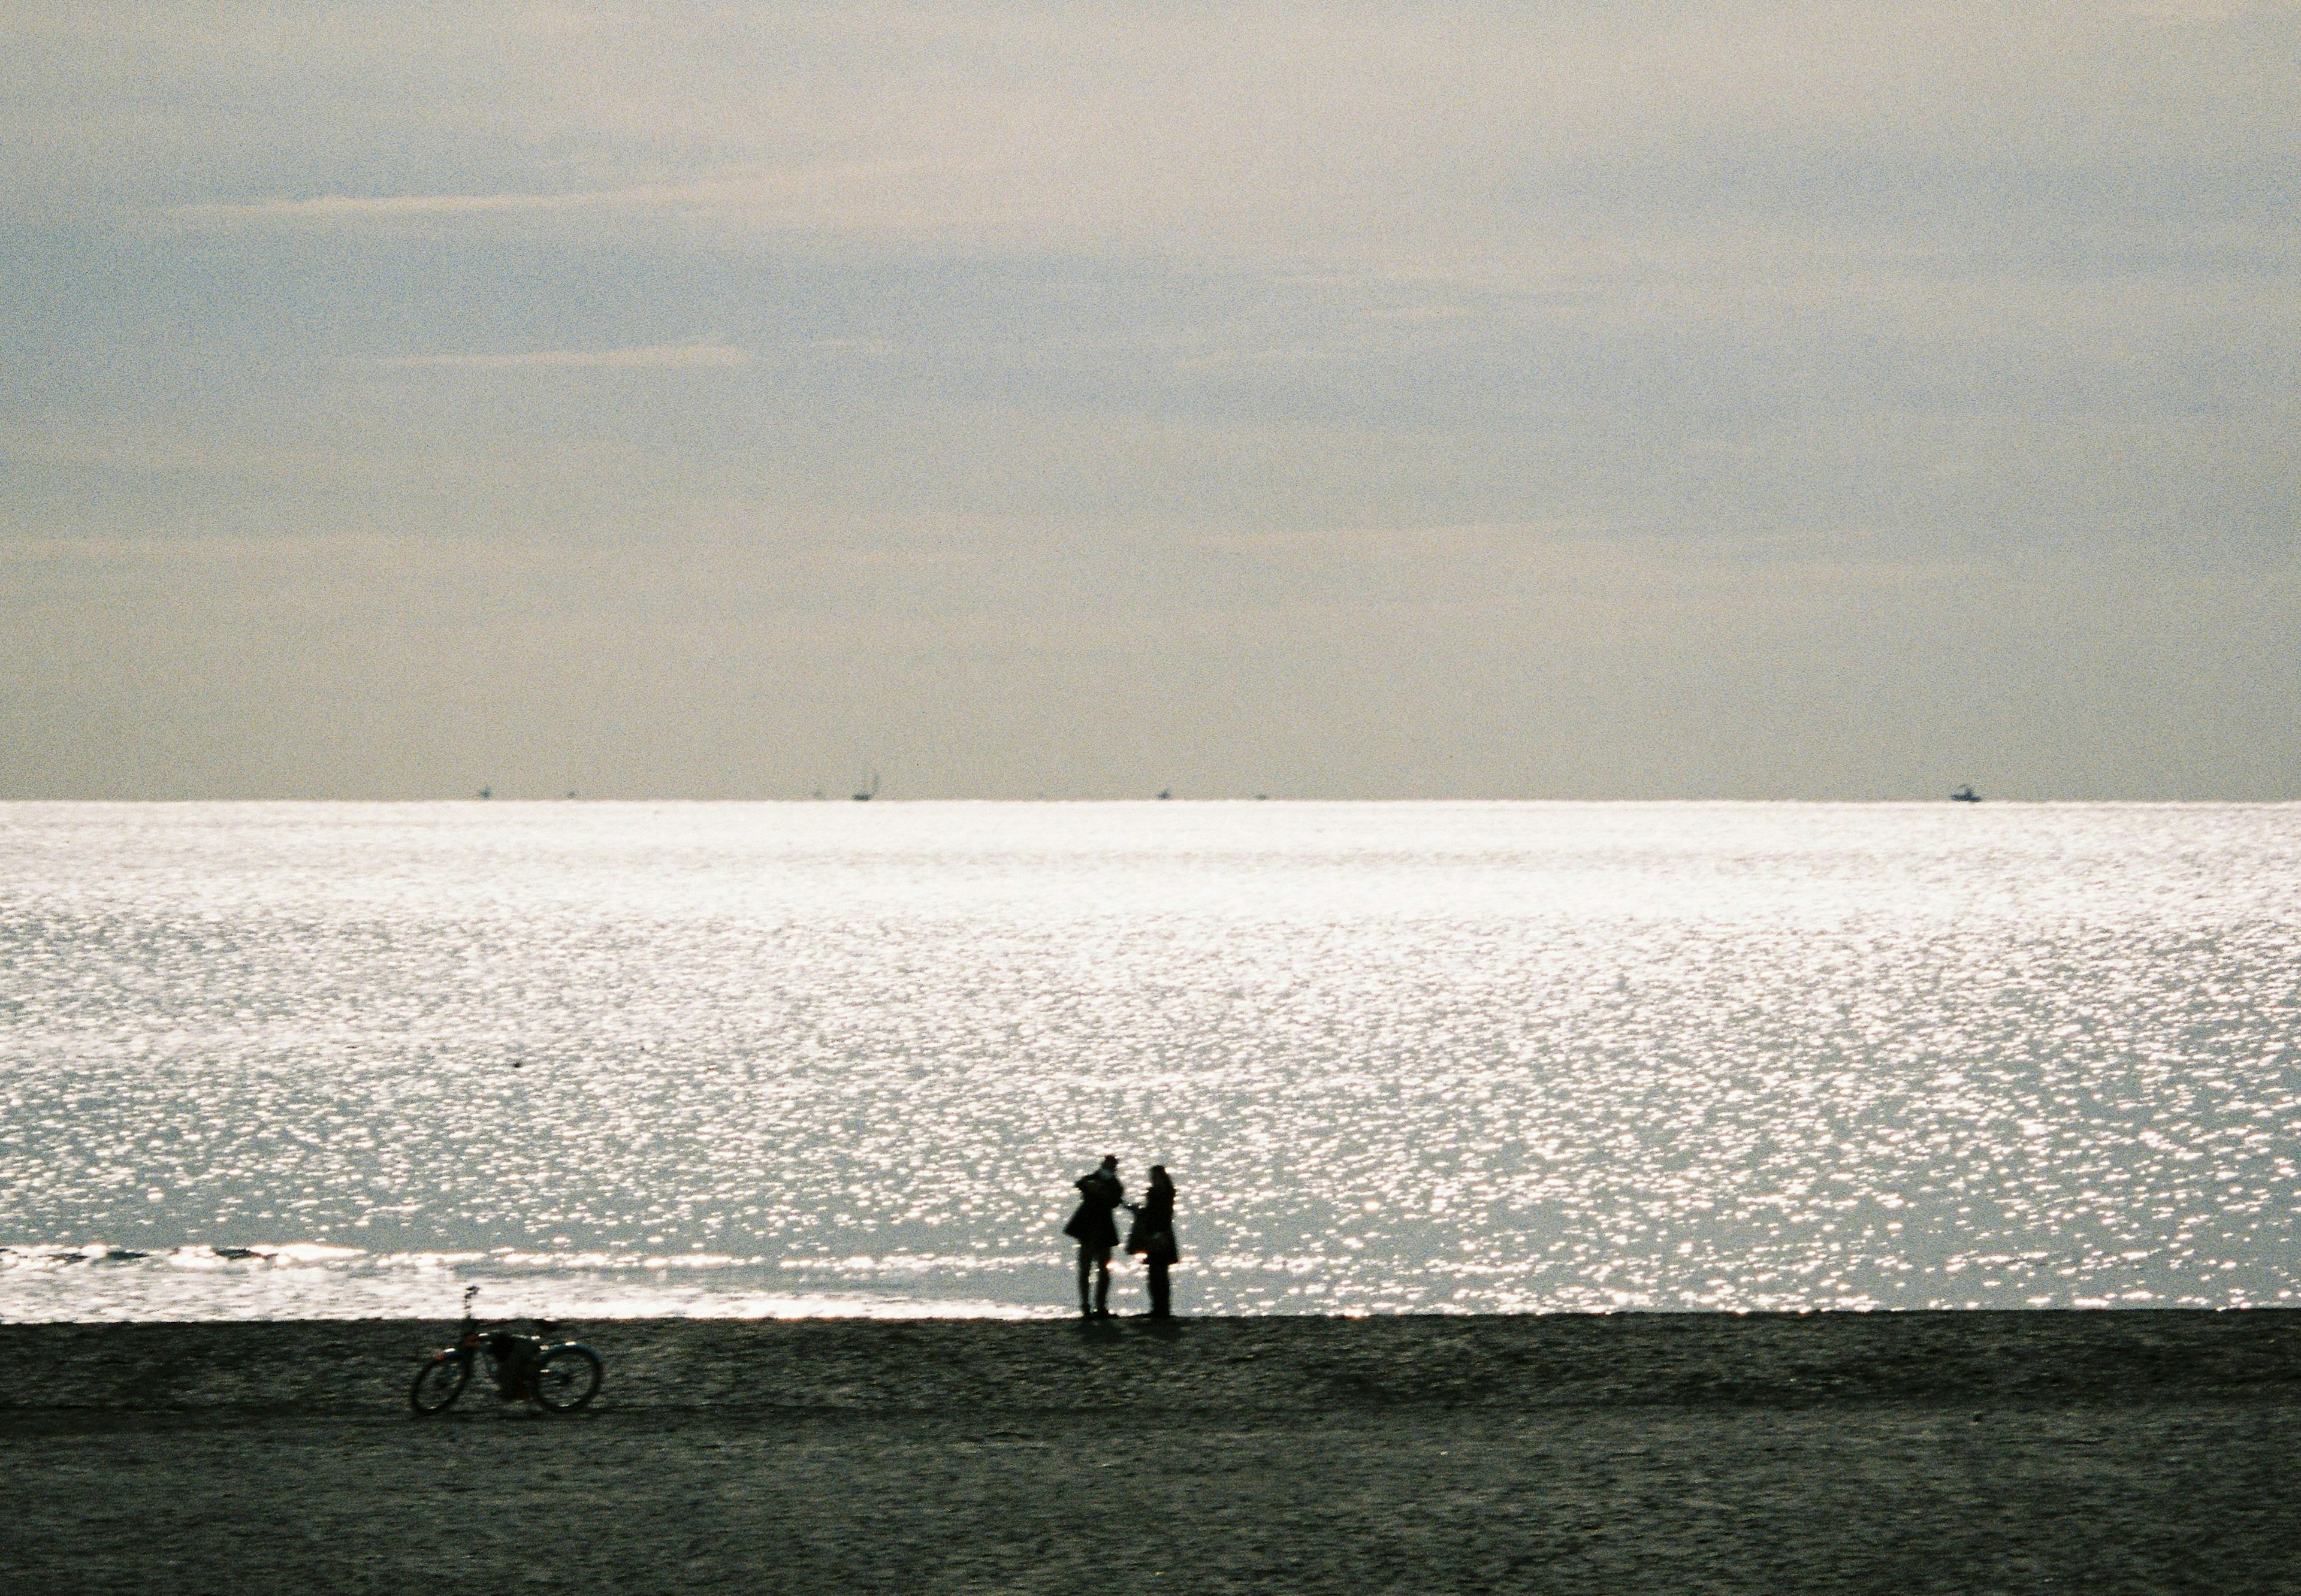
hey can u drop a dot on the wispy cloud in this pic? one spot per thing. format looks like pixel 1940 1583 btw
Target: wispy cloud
pixel 388 207
pixel 653 356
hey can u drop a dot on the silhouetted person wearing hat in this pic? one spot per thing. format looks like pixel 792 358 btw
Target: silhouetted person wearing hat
pixel 1096 1234
pixel 1152 1235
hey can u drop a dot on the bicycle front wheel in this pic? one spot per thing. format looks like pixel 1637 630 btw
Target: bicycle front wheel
pixel 439 1383
pixel 566 1377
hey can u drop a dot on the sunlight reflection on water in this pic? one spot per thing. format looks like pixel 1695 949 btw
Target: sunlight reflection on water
pixel 847 1058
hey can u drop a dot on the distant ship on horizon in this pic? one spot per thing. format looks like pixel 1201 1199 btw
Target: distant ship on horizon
pixel 870 788
pixel 1965 795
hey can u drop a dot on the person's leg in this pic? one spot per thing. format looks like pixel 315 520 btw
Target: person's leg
pixel 1102 1288
pixel 1162 1302
pixel 1086 1272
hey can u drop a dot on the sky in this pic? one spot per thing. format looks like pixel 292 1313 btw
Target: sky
pixel 1580 400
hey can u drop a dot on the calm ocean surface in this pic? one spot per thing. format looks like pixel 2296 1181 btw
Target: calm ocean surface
pixel 291 1060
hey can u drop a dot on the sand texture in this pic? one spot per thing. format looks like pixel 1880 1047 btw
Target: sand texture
pixel 1918 1452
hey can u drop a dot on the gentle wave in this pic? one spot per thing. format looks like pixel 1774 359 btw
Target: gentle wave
pixel 314 1281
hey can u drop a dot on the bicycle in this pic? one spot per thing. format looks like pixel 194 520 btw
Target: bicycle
pixel 558 1377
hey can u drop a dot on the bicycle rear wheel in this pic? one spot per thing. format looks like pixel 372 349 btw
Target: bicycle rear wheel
pixel 437 1383
pixel 566 1377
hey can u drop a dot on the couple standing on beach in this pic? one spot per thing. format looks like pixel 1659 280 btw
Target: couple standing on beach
pixel 1152 1235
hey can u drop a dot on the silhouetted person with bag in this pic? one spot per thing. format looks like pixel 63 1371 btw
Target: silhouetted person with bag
pixel 1096 1234
pixel 1152 1235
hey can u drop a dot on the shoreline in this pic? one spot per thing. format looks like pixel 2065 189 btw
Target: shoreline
pixel 1303 1363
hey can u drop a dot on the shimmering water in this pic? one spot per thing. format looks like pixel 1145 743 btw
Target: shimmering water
pixel 328 1059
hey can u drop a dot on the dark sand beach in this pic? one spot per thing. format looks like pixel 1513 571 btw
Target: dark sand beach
pixel 1916 1452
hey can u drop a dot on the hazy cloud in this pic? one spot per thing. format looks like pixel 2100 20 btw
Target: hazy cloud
pixel 1485 398
pixel 675 356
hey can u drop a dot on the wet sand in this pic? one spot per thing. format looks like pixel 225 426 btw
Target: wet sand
pixel 1913 1452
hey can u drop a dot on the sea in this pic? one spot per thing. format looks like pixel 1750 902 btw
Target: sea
pixel 293 1061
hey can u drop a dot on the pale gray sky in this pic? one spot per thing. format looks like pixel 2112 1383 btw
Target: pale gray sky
pixel 1561 400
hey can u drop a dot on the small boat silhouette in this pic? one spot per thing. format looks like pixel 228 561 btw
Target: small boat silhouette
pixel 869 790
pixel 1965 795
